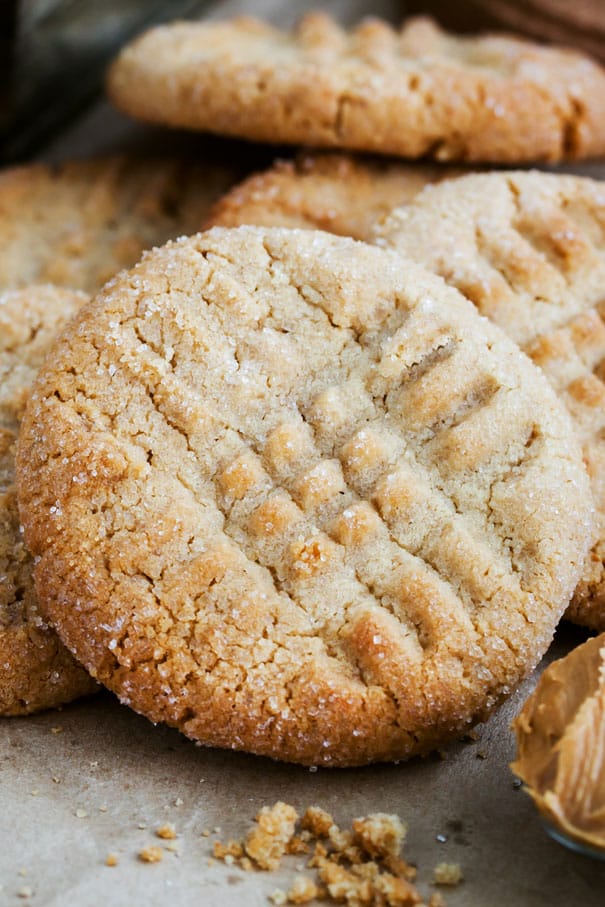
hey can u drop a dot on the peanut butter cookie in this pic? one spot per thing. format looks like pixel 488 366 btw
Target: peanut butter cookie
pixel 77 223
pixel 296 499
pixel 335 192
pixel 415 92
pixel 36 671
pixel 528 249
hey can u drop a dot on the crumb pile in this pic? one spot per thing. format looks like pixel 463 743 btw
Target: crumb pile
pixel 358 866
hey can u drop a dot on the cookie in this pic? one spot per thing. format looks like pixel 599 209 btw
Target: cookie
pixel 414 92
pixel 294 498
pixel 36 671
pixel 77 223
pixel 334 192
pixel 528 249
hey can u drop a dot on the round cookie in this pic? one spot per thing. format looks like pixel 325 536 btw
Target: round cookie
pixel 36 671
pixel 77 223
pixel 334 192
pixel 533 260
pixel 295 499
pixel 414 92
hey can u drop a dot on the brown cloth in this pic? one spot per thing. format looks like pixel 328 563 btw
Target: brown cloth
pixel 579 24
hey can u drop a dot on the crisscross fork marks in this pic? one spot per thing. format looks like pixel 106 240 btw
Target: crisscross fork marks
pixel 531 261
pixel 572 358
pixel 175 400
pixel 564 225
pixel 479 396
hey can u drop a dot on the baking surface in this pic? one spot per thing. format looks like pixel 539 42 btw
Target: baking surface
pixel 94 778
pixel 79 783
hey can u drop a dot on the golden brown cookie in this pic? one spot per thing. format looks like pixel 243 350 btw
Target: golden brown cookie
pixel 528 249
pixel 76 224
pixel 36 671
pixel 294 498
pixel 415 92
pixel 334 192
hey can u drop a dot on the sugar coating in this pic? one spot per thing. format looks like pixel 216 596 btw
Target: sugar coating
pixel 533 261
pixel 36 671
pixel 415 91
pixel 364 593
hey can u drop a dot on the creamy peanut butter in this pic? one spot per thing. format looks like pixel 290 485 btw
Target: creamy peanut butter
pixel 561 744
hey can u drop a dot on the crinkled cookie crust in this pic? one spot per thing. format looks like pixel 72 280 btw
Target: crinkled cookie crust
pixel 414 92
pixel 528 249
pixel 297 498
pixel 36 670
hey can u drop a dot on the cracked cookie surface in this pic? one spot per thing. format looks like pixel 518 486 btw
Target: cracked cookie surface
pixel 335 192
pixel 295 499
pixel 36 671
pixel 75 224
pixel 532 260
pixel 414 92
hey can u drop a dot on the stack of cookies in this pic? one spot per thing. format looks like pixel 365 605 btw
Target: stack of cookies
pixel 285 486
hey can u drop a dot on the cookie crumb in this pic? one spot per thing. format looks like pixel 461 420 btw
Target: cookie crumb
pixel 167 832
pixel 179 801
pixel 152 854
pixel 81 814
pixel 205 833
pixel 437 900
pixel 297 845
pixel 380 834
pixel 103 808
pixel 267 842
pixel 278 897
pixel 317 821
pixel 56 730
pixel 447 874
pixel 111 859
pixel 231 849
pixel 25 892
pixel 302 891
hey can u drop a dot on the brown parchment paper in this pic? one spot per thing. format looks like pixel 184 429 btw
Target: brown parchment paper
pixel 94 779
